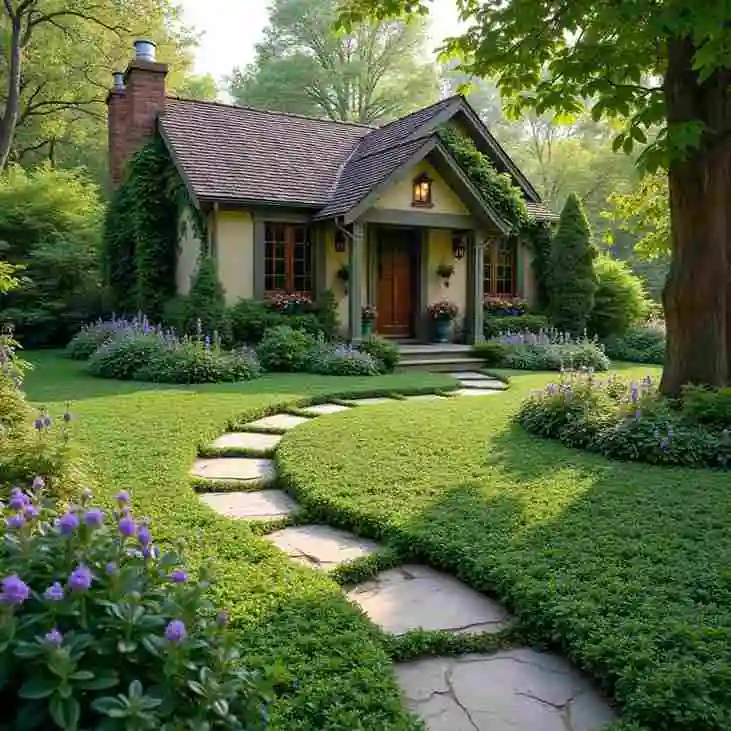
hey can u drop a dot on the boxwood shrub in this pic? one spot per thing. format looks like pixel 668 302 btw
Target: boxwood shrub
pixel 497 325
pixel 385 352
pixel 638 345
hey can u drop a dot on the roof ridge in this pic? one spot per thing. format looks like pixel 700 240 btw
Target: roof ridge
pixel 250 108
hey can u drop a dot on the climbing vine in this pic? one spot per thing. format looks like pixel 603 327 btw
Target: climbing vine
pixel 507 199
pixel 141 232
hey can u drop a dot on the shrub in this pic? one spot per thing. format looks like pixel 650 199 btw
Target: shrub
pixel 285 349
pixel 101 631
pixel 207 301
pixel 386 353
pixel 496 325
pixel 491 351
pixel 619 301
pixel 706 406
pixel 626 421
pixel 91 337
pixel 325 309
pixel 50 223
pixel 125 354
pixel 552 351
pixel 341 360
pixel 192 362
pixel 638 345
pixel 249 319
pixel 572 282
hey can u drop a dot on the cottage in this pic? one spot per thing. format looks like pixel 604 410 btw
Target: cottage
pixel 380 216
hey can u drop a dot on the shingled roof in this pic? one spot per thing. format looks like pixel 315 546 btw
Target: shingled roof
pixel 250 156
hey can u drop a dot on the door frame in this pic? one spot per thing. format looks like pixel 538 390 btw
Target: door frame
pixel 419 274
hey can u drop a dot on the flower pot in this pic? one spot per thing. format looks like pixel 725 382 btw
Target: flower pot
pixel 442 330
pixel 366 328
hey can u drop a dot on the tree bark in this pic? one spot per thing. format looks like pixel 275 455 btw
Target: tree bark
pixel 9 118
pixel 696 292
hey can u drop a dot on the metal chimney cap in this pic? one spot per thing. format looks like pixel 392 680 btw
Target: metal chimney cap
pixel 118 77
pixel 145 49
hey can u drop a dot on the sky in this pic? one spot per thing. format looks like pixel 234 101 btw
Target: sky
pixel 231 29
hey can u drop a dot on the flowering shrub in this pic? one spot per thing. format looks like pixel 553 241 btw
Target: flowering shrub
pixel 500 324
pixel 341 360
pixel 284 349
pixel 100 629
pixel 124 355
pixel 550 350
pixel 386 353
pixel 290 303
pixel 369 312
pixel 442 310
pixel 89 338
pixel 627 421
pixel 504 306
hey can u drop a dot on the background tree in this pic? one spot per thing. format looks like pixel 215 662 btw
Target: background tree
pixel 376 72
pixel 650 64
pixel 572 282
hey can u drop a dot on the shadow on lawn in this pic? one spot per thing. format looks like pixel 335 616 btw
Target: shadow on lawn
pixel 627 573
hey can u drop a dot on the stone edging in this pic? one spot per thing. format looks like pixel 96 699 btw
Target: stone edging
pixel 509 690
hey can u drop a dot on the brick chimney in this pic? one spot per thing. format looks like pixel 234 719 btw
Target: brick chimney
pixel 134 101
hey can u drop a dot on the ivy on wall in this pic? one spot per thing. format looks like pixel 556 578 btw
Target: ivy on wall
pixel 507 199
pixel 141 232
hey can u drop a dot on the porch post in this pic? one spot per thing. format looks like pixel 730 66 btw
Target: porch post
pixel 356 263
pixel 475 294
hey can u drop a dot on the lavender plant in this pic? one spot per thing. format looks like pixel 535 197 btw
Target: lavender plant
pixel 100 628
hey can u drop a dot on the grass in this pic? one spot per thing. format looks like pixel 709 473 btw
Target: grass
pixel 625 567
pixel 331 667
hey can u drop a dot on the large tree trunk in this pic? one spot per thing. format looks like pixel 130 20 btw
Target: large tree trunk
pixel 695 295
pixel 9 117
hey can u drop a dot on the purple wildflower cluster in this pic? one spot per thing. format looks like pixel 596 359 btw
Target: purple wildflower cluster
pixel 548 336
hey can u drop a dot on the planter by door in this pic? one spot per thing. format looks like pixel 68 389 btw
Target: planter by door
pixel 442 328
pixel 366 328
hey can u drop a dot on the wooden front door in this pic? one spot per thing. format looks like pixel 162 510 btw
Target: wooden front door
pixel 396 269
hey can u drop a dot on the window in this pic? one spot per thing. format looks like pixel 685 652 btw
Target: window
pixel 500 266
pixel 287 258
pixel 422 191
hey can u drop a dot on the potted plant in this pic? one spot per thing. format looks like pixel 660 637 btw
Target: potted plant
pixel 369 313
pixel 441 314
pixel 445 271
pixel 343 274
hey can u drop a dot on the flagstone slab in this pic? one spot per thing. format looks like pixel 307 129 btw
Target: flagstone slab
pixel 462 375
pixel 322 409
pixel 489 383
pixel 321 546
pixel 260 505
pixel 285 422
pixel 254 441
pixel 425 397
pixel 418 597
pixel 514 690
pixel 469 391
pixel 372 401
pixel 238 469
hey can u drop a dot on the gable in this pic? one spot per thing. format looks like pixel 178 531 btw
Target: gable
pixel 398 196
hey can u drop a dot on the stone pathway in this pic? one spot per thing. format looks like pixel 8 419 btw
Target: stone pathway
pixel 516 690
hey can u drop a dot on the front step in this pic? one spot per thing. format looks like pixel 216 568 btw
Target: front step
pixel 440 364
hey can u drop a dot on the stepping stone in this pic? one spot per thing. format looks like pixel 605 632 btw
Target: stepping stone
pixel 237 469
pixel 489 383
pixel 515 690
pixel 417 597
pixel 470 391
pixel 374 401
pixel 251 505
pixel 284 422
pixel 466 375
pixel 322 409
pixel 321 546
pixel 425 397
pixel 254 441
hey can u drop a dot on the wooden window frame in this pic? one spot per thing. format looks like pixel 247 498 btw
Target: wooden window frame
pixel 490 273
pixel 290 242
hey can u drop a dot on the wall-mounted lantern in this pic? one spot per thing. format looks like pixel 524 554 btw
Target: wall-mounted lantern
pixel 339 241
pixel 459 245
pixel 422 191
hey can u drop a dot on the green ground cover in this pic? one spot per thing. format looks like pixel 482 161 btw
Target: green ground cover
pixel 624 567
pixel 332 668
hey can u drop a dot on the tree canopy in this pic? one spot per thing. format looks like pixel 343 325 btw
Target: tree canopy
pixel 375 72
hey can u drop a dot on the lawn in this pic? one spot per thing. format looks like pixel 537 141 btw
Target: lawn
pixel 625 567
pixel 331 668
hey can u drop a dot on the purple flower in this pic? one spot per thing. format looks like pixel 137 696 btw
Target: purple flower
pixel 144 536
pixel 67 524
pixel 664 444
pixel 178 576
pixel 18 499
pixel 38 423
pixel 15 521
pixel 93 517
pixel 175 631
pixel 149 551
pixel 122 497
pixel 14 590
pixel 111 568
pixel 38 483
pixel 80 579
pixel 53 638
pixel 222 619
pixel 54 593
pixel 127 526
pixel 31 512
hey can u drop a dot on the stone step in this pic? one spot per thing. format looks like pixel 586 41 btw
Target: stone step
pixel 513 690
pixel 425 397
pixel 261 505
pixel 487 383
pixel 474 391
pixel 235 469
pixel 323 409
pixel 321 546
pixel 418 597
pixel 277 423
pixel 453 363
pixel 246 442
pixel 371 401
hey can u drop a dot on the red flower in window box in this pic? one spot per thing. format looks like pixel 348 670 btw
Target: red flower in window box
pixel 289 304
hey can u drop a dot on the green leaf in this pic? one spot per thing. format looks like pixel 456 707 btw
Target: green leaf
pixel 628 144
pixel 126 647
pixel 38 688
pixel 107 704
pixel 135 689
pixel 101 681
pixel 82 675
pixel 65 712
pixel 196 687
pixel 617 142
pixel 638 134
